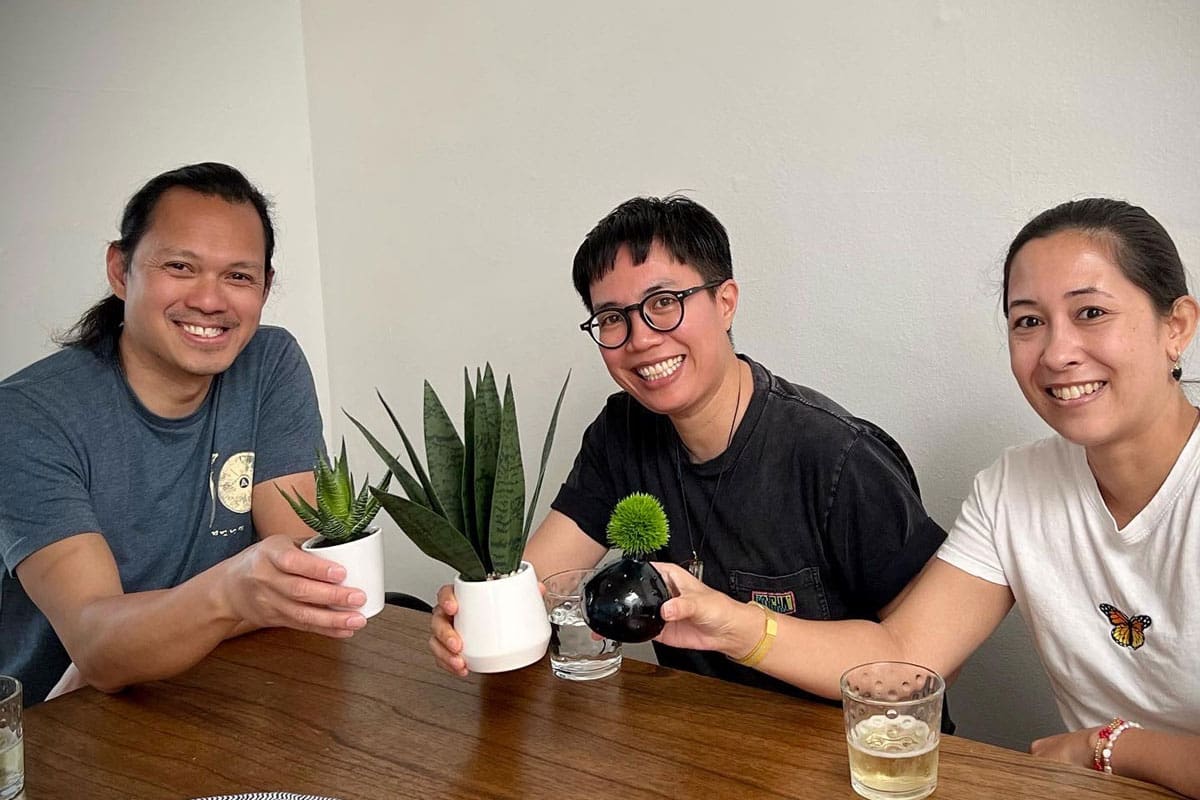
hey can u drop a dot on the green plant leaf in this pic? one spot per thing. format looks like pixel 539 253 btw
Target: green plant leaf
pixel 487 444
pixel 506 536
pixel 435 504
pixel 411 487
pixel 467 479
pixel 303 510
pixel 546 446
pixel 335 492
pixel 433 535
pixel 365 504
pixel 444 454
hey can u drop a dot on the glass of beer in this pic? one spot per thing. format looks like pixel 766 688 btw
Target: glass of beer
pixel 893 714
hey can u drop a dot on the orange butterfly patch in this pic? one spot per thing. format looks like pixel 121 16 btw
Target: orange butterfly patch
pixel 1127 631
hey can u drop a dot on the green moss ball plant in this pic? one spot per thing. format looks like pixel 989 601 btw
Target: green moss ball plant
pixel 623 601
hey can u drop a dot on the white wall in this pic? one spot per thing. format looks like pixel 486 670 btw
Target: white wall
pixel 871 161
pixel 100 97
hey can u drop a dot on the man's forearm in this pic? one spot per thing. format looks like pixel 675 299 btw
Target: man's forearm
pixel 145 636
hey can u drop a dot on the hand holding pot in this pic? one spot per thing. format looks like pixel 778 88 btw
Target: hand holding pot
pixel 701 618
pixel 273 583
pixel 444 641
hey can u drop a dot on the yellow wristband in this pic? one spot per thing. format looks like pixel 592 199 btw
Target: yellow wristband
pixel 760 650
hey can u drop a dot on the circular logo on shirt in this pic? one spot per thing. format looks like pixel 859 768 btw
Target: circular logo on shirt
pixel 236 482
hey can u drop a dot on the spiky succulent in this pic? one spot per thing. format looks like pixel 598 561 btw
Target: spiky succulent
pixel 341 515
pixel 638 525
pixel 467 509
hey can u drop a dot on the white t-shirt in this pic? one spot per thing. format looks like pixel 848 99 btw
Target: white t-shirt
pixel 1035 522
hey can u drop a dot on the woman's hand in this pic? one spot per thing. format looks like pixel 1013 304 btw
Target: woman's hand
pixel 700 618
pixel 1077 747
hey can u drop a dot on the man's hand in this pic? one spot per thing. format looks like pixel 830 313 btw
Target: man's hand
pixel 276 584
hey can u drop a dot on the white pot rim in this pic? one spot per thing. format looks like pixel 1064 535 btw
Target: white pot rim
pixel 311 542
pixel 521 569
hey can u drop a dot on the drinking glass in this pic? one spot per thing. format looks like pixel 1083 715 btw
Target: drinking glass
pixel 893 713
pixel 574 653
pixel 12 744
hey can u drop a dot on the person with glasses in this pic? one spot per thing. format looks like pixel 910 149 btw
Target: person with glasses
pixel 776 495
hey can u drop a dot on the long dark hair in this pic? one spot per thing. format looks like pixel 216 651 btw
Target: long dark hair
pixel 100 325
pixel 1140 245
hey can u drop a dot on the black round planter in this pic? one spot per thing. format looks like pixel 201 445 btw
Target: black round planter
pixel 623 601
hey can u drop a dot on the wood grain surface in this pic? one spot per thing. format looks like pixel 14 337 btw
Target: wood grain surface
pixel 372 717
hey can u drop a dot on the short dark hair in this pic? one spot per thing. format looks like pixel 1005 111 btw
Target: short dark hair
pixel 1140 246
pixel 101 323
pixel 688 231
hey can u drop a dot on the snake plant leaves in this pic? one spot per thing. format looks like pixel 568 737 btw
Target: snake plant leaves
pixel 468 510
pixel 506 534
pixel 433 535
pixel 411 487
pixel 434 502
pixel 444 454
pixel 546 445
pixel 467 483
pixel 487 444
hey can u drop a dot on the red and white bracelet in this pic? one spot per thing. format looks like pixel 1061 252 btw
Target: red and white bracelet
pixel 1106 738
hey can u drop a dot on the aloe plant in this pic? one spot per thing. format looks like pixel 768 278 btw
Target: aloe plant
pixel 342 514
pixel 466 506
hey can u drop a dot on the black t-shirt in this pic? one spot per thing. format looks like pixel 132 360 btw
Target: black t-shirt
pixel 817 513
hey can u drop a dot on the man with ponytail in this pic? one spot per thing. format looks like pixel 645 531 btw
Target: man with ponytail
pixel 139 522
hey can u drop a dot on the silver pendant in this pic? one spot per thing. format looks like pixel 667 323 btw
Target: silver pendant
pixel 696 567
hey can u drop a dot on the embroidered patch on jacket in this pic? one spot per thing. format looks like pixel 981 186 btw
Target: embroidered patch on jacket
pixel 779 602
pixel 1127 631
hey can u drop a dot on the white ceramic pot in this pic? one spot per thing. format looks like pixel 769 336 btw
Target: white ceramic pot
pixel 503 623
pixel 363 560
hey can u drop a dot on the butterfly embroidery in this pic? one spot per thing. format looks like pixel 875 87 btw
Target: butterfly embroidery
pixel 1127 631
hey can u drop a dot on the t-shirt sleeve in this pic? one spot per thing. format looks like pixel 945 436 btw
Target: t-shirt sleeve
pixel 971 544
pixel 289 429
pixel 878 528
pixel 44 493
pixel 588 494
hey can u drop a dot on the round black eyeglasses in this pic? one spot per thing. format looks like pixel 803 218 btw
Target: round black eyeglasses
pixel 661 311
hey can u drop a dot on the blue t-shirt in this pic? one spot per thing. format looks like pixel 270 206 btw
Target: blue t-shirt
pixel 170 496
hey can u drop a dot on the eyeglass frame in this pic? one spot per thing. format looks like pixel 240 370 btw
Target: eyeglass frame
pixel 590 323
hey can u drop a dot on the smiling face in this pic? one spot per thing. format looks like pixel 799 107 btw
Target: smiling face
pixel 1087 347
pixel 194 290
pixel 679 371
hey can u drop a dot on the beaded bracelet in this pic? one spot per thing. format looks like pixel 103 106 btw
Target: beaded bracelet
pixel 1105 739
pixel 760 650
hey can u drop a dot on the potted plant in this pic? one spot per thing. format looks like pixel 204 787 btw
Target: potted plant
pixel 466 508
pixel 624 600
pixel 342 521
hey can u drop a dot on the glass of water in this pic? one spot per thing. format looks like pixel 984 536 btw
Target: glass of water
pixel 12 745
pixel 574 653
pixel 893 713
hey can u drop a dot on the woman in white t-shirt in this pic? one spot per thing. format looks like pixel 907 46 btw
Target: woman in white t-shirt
pixel 1094 533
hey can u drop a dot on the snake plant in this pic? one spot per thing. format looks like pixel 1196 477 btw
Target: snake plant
pixel 342 514
pixel 466 506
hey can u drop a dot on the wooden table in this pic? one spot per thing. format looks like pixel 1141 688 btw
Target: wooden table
pixel 372 717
